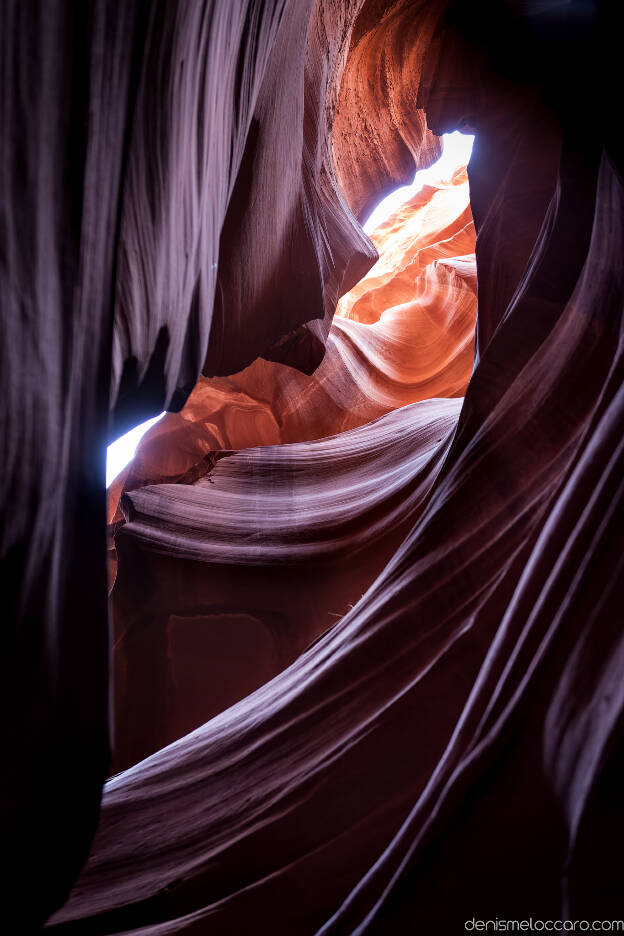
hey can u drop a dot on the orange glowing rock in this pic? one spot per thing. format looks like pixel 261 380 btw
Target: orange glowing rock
pixel 403 334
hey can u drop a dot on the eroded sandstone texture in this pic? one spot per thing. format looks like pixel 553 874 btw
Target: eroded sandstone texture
pixel 283 541
pixel 403 334
pixel 180 186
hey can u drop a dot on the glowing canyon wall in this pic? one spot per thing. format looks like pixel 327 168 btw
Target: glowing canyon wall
pixel 366 614
pixel 284 540
pixel 404 333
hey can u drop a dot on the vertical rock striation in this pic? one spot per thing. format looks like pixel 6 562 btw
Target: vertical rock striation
pixel 129 132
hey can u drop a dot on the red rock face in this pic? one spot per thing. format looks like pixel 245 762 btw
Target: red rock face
pixel 294 581
pixel 403 334
pixel 450 747
pixel 381 131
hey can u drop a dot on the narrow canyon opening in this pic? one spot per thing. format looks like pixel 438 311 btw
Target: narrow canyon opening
pixel 193 637
pixel 456 148
pixel 352 611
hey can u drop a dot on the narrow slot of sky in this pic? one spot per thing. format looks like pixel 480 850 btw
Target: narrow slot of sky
pixel 121 451
pixel 456 150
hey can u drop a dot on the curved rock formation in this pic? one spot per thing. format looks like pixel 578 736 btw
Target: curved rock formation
pixel 374 763
pixel 403 334
pixel 223 583
pixel 383 782
pixel 134 138
pixel 417 349
pixel 381 131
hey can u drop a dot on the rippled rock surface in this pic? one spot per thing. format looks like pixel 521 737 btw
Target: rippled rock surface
pixel 181 186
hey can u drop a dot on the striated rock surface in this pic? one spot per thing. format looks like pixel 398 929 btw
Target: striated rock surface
pixel 80 83
pixel 223 583
pixel 374 763
pixel 278 567
pixel 452 747
pixel 134 138
pixel 403 334
pixel 381 131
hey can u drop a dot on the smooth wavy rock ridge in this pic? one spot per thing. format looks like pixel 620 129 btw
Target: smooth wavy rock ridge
pixel 366 632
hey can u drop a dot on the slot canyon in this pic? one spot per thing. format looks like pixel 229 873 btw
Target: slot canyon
pixel 340 650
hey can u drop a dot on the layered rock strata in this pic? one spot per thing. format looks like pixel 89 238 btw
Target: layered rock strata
pixel 382 781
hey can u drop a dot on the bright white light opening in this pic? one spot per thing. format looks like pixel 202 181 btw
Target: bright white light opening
pixel 122 450
pixel 456 150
